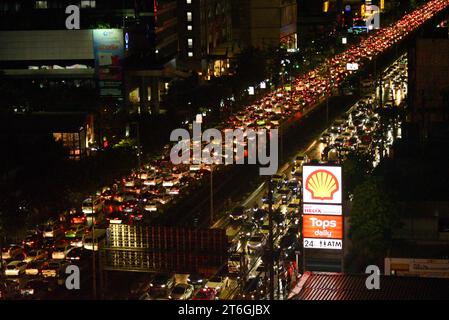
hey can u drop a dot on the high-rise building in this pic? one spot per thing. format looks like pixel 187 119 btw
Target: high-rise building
pixel 265 23
pixel 204 29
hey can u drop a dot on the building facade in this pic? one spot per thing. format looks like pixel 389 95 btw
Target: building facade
pixel 205 36
pixel 265 23
pixel 124 50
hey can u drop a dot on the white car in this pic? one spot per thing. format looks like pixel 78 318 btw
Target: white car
pixel 150 207
pixel 256 241
pixel 53 267
pixel 60 252
pixel 10 252
pixel 15 268
pixel 218 283
pixel 90 207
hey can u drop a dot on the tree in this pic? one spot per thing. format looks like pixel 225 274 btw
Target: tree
pixel 373 217
pixel 355 169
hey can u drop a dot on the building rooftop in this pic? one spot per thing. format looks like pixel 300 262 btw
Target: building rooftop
pixel 337 286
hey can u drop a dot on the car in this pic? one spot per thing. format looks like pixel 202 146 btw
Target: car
pixel 130 205
pixel 300 160
pixel 90 206
pixel 32 241
pixel 78 218
pixel 53 268
pixel 9 289
pixel 37 254
pixel 218 283
pixel 196 280
pixel 76 231
pixel 75 254
pixel 116 217
pixel 11 251
pixel 15 268
pixel 53 231
pixel 34 287
pixel 253 289
pixel 256 241
pixel 151 206
pixel 60 252
pixel 181 291
pixel 238 213
pixel 162 283
pixel 288 240
pixel 206 294
pixel 34 268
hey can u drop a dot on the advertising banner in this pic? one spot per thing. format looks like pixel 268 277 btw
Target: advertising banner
pixel 320 226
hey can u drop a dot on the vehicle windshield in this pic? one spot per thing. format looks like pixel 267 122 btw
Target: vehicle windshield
pixel 179 290
pixel 215 279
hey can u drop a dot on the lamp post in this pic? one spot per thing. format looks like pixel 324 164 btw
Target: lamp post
pixel 270 238
pixel 94 271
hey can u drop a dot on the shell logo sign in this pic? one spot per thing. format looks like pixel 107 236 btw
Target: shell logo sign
pixel 322 184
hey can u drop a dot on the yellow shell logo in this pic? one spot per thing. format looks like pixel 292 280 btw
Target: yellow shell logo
pixel 322 184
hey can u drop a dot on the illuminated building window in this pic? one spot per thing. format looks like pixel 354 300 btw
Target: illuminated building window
pixel 190 42
pixel 189 27
pixel 190 54
pixel 326 6
pixel 189 16
pixel 41 5
pixel 88 4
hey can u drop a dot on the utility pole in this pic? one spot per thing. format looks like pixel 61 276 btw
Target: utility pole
pixel 94 271
pixel 270 238
pixel 139 151
pixel 211 193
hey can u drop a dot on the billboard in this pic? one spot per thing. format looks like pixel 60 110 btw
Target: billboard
pixel 322 184
pixel 108 51
pixel 323 227
pixel 322 219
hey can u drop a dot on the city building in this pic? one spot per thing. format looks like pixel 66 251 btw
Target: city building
pixel 428 87
pixel 205 36
pixel 124 51
pixel 73 129
pixel 265 23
